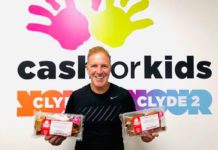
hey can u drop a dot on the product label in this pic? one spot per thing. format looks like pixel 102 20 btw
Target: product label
pixel 137 124
pixel 61 128
pixel 149 122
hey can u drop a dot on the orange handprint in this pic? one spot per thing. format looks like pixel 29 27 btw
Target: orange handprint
pixel 113 25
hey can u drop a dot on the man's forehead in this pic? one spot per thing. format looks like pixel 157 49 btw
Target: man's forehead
pixel 99 54
pixel 99 57
pixel 98 62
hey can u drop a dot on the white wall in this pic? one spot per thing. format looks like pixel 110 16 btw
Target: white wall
pixel 181 28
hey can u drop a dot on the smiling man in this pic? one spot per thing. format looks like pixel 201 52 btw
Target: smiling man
pixel 99 67
pixel 101 102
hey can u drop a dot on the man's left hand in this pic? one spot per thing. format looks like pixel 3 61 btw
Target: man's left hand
pixel 149 137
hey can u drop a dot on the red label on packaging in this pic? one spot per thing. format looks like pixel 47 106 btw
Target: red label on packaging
pixel 46 124
pixel 137 124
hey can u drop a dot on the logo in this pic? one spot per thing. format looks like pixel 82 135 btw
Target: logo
pixel 49 101
pixel 177 102
pixel 113 97
pixel 71 28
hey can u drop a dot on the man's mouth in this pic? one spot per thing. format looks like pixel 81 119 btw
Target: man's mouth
pixel 99 78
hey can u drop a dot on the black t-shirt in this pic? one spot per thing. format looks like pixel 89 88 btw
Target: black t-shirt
pixel 102 125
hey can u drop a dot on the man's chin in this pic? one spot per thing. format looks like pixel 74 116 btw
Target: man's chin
pixel 100 85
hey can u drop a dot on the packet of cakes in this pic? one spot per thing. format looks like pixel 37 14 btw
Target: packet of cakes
pixel 143 122
pixel 68 125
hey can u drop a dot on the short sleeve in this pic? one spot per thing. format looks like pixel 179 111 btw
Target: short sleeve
pixel 69 107
pixel 131 104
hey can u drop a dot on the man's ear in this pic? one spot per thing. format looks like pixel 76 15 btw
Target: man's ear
pixel 86 66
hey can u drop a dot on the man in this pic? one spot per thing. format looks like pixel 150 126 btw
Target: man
pixel 101 102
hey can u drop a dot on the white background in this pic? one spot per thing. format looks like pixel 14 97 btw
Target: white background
pixel 181 28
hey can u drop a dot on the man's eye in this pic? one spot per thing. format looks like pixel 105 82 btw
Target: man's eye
pixel 104 66
pixel 93 66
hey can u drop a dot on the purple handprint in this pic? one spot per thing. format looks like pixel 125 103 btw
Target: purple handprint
pixel 69 27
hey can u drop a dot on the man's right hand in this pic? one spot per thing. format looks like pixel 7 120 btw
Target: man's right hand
pixel 55 139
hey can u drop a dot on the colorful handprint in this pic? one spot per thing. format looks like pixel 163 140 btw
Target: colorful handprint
pixel 69 27
pixel 113 25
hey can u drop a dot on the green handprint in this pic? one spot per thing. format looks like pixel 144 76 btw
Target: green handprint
pixel 113 25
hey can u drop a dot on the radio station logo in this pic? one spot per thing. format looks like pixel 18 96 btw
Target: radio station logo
pixel 177 102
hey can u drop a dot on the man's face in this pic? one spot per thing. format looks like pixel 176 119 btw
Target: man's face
pixel 99 68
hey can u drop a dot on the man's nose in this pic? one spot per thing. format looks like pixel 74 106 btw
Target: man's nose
pixel 99 70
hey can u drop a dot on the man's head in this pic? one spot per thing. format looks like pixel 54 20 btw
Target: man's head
pixel 99 67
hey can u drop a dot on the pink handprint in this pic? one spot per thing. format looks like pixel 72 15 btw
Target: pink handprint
pixel 69 27
pixel 96 4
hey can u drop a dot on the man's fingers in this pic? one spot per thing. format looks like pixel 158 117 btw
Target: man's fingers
pixel 48 137
pixel 59 140
pixel 149 137
pixel 55 139
pixel 155 134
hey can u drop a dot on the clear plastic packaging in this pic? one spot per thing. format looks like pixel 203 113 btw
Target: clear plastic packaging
pixel 143 122
pixel 68 125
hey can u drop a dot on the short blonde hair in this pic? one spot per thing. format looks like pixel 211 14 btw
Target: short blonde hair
pixel 98 49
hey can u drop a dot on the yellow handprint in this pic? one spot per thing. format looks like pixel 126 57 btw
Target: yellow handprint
pixel 113 25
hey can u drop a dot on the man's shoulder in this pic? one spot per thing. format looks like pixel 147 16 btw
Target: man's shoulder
pixel 82 90
pixel 118 88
